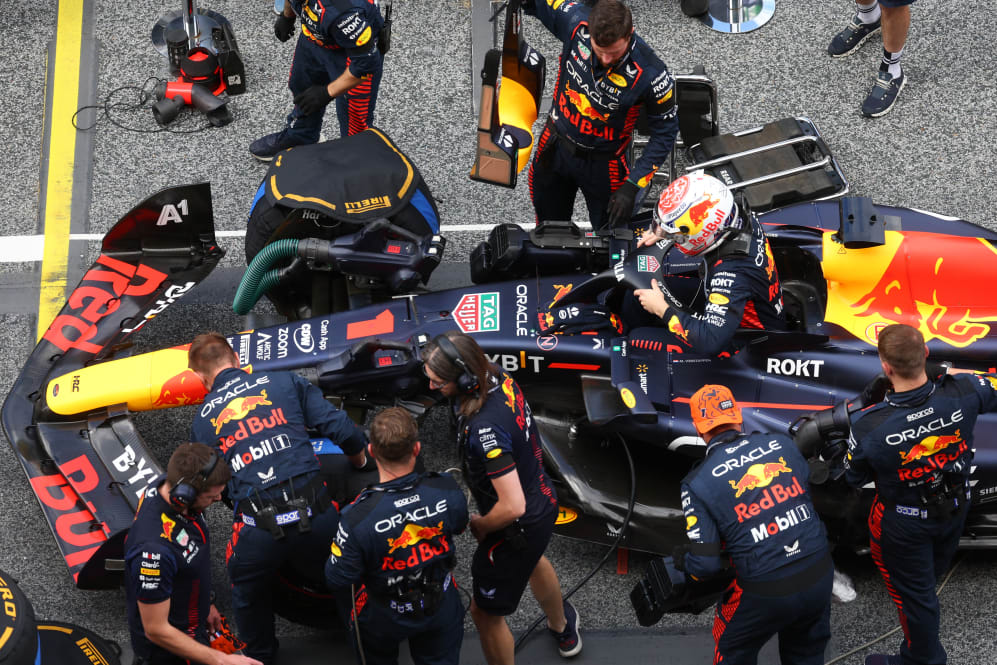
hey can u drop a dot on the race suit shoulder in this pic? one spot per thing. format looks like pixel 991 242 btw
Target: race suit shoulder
pixel 742 290
pixel 394 534
pixel 352 25
pixel 910 441
pixel 501 438
pixel 751 494
pixel 259 423
pixel 598 107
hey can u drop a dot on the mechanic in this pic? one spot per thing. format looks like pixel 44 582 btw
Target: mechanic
pixel 917 445
pixel 338 56
pixel 607 73
pixel 501 455
pixel 747 505
pixel 396 542
pixel 168 564
pixel 893 17
pixel 282 508
pixel 698 213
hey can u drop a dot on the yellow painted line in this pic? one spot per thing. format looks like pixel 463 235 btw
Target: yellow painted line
pixel 61 161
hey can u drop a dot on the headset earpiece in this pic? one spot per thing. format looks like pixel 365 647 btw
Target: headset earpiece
pixel 466 381
pixel 184 493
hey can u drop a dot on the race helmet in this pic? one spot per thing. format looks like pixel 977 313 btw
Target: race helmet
pixel 695 212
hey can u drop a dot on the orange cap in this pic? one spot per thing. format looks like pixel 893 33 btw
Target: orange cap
pixel 713 405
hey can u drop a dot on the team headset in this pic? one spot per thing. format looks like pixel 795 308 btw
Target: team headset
pixel 466 381
pixel 182 496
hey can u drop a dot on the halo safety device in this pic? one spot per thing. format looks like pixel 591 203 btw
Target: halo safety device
pixel 182 495
pixel 466 381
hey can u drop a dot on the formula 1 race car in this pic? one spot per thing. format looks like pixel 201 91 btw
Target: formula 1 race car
pixel 612 407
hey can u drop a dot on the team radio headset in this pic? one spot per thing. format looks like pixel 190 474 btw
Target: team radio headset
pixel 467 382
pixel 182 495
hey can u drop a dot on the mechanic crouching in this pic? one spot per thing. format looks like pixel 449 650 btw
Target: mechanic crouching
pixel 395 544
pixel 502 459
pixel 917 444
pixel 736 268
pixel 168 565
pixel 282 506
pixel 747 505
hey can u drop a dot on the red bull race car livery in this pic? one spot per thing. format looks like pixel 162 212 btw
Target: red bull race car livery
pixel 68 416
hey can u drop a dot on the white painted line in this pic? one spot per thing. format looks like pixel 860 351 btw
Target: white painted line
pixel 24 249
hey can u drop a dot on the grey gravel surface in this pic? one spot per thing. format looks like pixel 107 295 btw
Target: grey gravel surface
pixel 934 152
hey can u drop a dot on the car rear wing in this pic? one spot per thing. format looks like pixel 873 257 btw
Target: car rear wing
pixel 88 470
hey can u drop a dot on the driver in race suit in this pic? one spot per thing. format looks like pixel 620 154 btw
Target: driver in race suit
pixel 396 544
pixel 282 507
pixel 917 445
pixel 606 74
pixel 747 505
pixel 698 213
pixel 337 57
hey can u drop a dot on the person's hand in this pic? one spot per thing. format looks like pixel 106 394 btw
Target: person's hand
pixel 313 99
pixel 214 619
pixel 652 299
pixel 647 239
pixel 283 27
pixel 237 659
pixel 621 203
pixel 475 525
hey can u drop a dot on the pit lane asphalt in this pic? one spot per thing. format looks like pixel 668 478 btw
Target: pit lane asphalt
pixel 933 152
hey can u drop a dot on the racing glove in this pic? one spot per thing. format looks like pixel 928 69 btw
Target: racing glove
pixel 283 27
pixel 313 99
pixel 621 203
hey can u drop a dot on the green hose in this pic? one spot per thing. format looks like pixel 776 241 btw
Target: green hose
pixel 257 280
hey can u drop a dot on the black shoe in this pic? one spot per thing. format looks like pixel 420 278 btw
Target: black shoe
pixel 882 659
pixel 852 37
pixel 883 95
pixel 569 642
pixel 695 7
pixel 267 147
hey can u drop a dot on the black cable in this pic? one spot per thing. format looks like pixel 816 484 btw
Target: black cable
pixel 612 548
pixel 144 103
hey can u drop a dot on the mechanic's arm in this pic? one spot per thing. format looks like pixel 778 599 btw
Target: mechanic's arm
pixel 510 506
pixel 159 630
pixel 703 557
pixel 457 509
pixel 563 21
pixel 331 422
pixel 858 471
pixel 663 123
pixel 345 563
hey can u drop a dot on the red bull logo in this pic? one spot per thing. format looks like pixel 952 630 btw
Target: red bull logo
pixel 928 446
pixel 584 106
pixel 759 475
pixel 546 320
pixel 698 213
pixel 238 409
pixel 676 328
pixel 510 394
pixel 168 526
pixel 180 390
pixel 412 534
pixel 943 286
pixel 561 290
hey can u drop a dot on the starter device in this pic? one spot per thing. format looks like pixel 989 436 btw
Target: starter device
pixel 205 80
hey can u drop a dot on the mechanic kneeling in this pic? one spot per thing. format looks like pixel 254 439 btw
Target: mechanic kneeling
pixel 917 444
pixel 737 270
pixel 747 505
pixel 168 564
pixel 396 541
pixel 282 506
